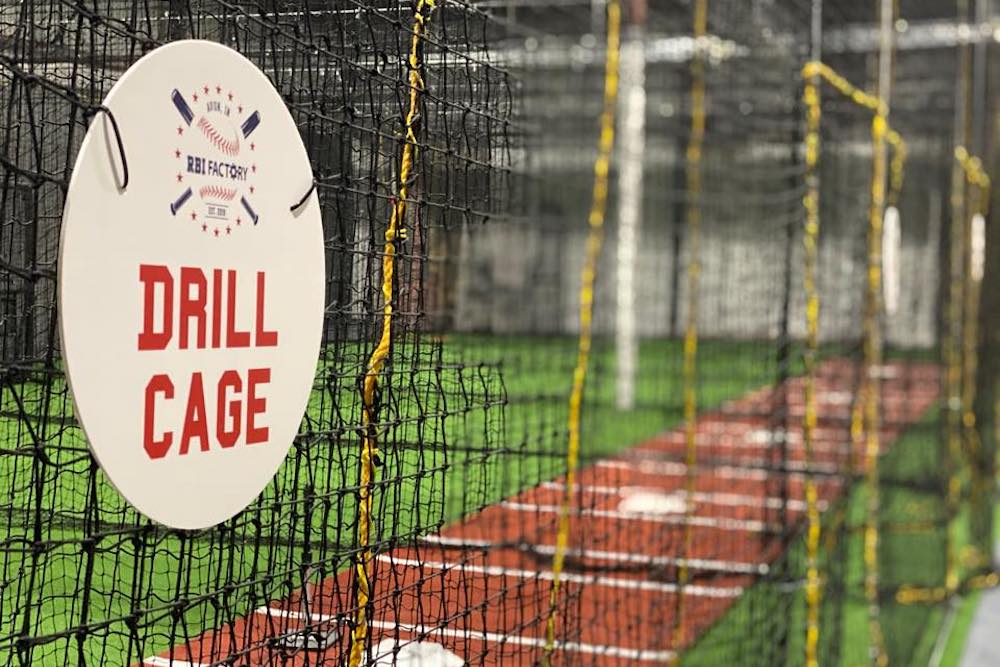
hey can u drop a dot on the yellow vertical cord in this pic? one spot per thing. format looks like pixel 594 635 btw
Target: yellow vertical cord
pixel 954 328
pixel 970 313
pixel 865 419
pixel 872 389
pixel 897 166
pixel 811 98
pixel 369 448
pixel 970 195
pixel 953 373
pixel 690 371
pixel 976 187
pixel 595 239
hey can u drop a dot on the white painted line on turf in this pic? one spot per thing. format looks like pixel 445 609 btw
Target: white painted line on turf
pixel 796 469
pixel 573 647
pixel 591 580
pixel 161 661
pixel 655 502
pixel 640 655
pixel 295 615
pixel 741 437
pixel 764 438
pixel 706 497
pixel 644 454
pixel 835 397
pixel 701 564
pixel 724 523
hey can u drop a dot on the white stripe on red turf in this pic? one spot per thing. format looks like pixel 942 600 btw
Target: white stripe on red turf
pixel 312 618
pixel 641 655
pixel 748 525
pixel 161 661
pixel 594 580
pixel 673 469
pixel 701 564
pixel 473 635
pixel 706 497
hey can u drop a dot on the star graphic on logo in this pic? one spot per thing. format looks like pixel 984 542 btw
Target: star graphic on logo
pixel 230 97
pixel 216 231
pixel 228 230
pixel 218 89
pixel 180 130
pixel 194 96
pixel 205 89
pixel 179 178
pixel 177 152
pixel 194 216
pixel 239 221
pixel 204 228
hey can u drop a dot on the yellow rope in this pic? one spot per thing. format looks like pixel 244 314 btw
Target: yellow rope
pixel 970 359
pixel 953 338
pixel 369 449
pixel 972 166
pixel 953 373
pixel 866 417
pixel 897 166
pixel 961 360
pixel 914 595
pixel 595 239
pixel 842 85
pixel 871 394
pixel 978 185
pixel 690 380
pixel 811 98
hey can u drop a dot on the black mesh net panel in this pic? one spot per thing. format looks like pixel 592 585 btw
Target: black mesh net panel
pixel 687 521
pixel 87 581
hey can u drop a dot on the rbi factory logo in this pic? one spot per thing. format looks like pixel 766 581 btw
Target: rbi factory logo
pixel 215 160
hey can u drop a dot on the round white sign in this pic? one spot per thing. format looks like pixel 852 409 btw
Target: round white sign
pixel 191 301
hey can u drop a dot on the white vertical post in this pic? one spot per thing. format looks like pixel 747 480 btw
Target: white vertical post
pixel 631 146
pixel 598 11
pixel 977 247
pixel 891 258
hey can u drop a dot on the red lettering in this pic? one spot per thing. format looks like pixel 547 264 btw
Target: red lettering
pixel 264 338
pixel 227 438
pixel 156 449
pixel 216 308
pixel 151 275
pixel 192 306
pixel 256 406
pixel 234 338
pixel 195 423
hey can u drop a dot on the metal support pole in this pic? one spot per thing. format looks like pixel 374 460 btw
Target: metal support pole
pixel 632 133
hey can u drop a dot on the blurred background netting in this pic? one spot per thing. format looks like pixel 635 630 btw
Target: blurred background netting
pixel 687 520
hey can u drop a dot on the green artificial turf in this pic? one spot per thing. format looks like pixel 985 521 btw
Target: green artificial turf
pixel 499 404
pixel 482 420
pixel 766 625
pixel 965 612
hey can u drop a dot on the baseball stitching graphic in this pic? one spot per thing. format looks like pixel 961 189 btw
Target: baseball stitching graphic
pixel 230 147
pixel 216 180
pixel 216 192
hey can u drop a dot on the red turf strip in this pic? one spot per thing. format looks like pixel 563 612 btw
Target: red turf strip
pixel 481 586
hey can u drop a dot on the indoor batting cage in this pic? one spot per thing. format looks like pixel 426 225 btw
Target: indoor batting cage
pixel 648 331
